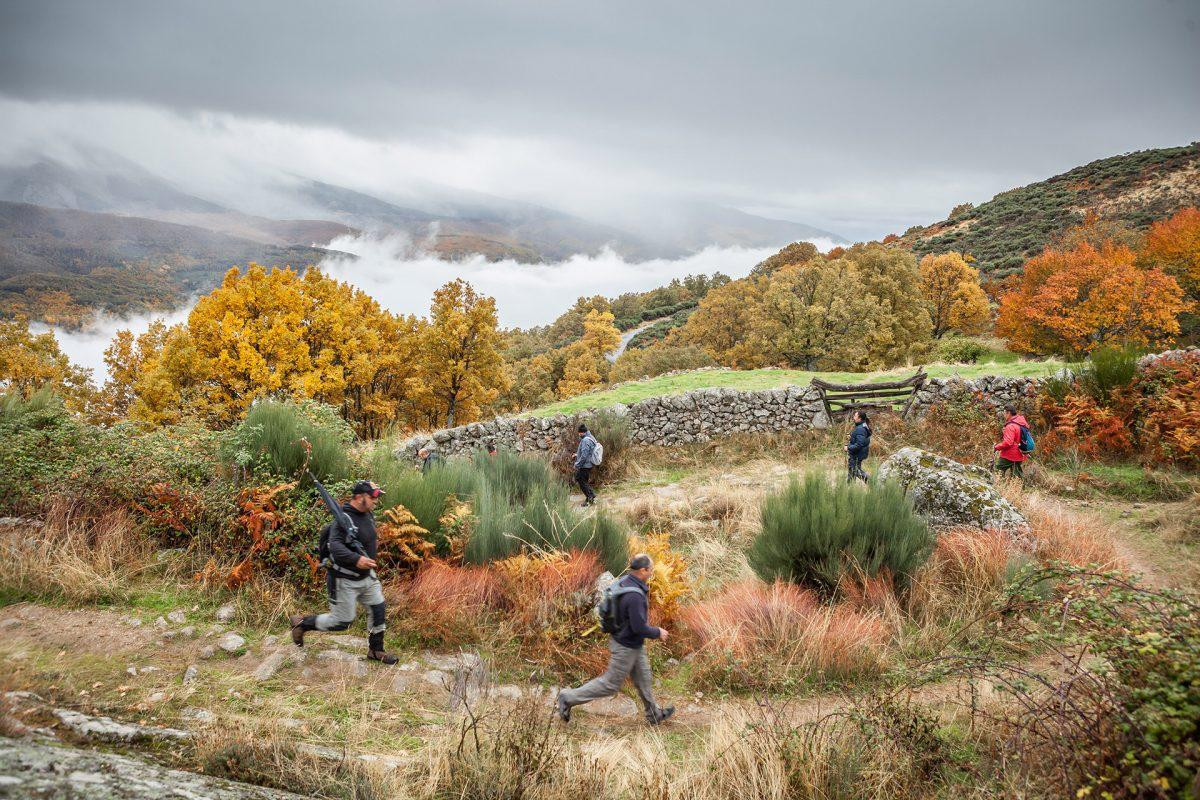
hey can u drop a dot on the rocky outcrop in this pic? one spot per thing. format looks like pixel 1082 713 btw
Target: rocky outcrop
pixel 948 493
pixel 29 769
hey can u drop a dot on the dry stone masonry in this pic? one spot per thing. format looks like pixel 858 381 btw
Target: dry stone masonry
pixel 701 415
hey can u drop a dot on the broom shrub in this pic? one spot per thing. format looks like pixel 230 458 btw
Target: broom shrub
pixel 817 533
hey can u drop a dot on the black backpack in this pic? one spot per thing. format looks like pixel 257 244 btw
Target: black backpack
pixel 606 609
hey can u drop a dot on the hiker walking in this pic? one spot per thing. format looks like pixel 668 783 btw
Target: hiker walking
pixel 858 448
pixel 350 576
pixel 627 652
pixel 1012 448
pixel 429 459
pixel 585 460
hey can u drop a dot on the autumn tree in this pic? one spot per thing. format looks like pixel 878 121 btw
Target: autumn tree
pixel 1070 302
pixel 1173 246
pixel 794 253
pixel 127 359
pixel 462 369
pixel 892 279
pixel 265 333
pixel 951 290
pixel 723 323
pixel 30 362
pixel 814 315
pixel 587 360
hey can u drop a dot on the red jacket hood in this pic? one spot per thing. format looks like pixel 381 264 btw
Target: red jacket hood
pixel 1020 420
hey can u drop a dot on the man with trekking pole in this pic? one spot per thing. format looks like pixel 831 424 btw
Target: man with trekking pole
pixel 347 549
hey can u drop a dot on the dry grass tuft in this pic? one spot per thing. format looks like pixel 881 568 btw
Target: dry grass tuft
pixel 1072 537
pixel 770 636
pixel 74 557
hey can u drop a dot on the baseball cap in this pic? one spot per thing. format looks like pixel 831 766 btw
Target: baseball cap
pixel 366 487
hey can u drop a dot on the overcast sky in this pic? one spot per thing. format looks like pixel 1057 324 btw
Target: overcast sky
pixel 859 117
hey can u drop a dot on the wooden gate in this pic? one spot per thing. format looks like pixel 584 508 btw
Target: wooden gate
pixel 843 398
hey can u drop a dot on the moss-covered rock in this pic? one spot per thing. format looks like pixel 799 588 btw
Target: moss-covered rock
pixel 949 493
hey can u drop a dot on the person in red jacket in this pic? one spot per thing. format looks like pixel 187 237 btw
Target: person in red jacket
pixel 1009 448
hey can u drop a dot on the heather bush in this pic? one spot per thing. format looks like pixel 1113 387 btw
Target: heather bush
pixel 816 531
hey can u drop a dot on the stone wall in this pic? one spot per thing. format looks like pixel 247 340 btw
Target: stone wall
pixel 702 415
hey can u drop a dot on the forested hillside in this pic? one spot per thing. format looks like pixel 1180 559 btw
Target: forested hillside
pixel 58 264
pixel 1135 190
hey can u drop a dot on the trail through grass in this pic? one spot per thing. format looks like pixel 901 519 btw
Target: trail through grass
pixel 753 379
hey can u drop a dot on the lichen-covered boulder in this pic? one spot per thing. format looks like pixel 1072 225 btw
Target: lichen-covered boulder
pixel 949 493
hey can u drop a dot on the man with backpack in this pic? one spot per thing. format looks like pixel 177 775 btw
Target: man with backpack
pixel 1016 442
pixel 589 454
pixel 350 575
pixel 623 611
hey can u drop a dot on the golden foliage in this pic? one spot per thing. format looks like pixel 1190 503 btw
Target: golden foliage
pixel 862 310
pixel 461 368
pixel 951 289
pixel 670 584
pixel 456 522
pixel 403 544
pixel 29 362
pixel 280 333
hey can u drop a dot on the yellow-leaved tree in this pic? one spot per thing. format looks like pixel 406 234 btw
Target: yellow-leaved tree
pixel 724 321
pixel 950 286
pixel 461 369
pixel 587 364
pixel 29 362
pixel 127 359
pixel 264 333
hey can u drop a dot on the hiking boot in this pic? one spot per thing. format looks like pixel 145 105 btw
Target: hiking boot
pixel 564 710
pixel 375 651
pixel 663 715
pixel 300 624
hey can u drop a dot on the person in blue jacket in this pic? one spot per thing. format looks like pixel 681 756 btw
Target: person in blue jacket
pixel 858 448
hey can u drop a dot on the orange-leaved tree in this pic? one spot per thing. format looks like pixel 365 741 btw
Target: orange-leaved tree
pixel 950 286
pixel 1069 302
pixel 1173 245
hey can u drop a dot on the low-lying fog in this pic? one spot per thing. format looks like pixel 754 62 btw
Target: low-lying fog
pixel 526 294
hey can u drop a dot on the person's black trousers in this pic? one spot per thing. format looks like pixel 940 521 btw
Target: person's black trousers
pixel 581 477
pixel 854 469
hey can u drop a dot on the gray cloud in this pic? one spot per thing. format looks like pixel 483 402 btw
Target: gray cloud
pixel 859 117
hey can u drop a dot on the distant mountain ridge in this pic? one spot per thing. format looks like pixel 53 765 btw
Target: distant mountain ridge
pixel 1135 189
pixel 103 232
pixel 56 264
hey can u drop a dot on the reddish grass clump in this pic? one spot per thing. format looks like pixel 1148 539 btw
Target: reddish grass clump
pixel 447 604
pixel 769 636
pixel 1068 536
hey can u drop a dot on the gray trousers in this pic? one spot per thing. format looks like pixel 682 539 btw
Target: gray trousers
pixel 344 596
pixel 623 662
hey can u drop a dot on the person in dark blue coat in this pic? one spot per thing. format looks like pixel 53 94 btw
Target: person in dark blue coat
pixel 859 447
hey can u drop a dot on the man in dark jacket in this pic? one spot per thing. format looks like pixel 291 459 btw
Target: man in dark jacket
pixel 429 459
pixel 627 652
pixel 350 577
pixel 584 461
pixel 1008 449
pixel 859 447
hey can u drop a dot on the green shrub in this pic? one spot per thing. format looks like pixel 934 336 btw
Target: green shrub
pixel 958 350
pixel 1108 370
pixel 815 531
pixel 267 444
pixel 520 504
